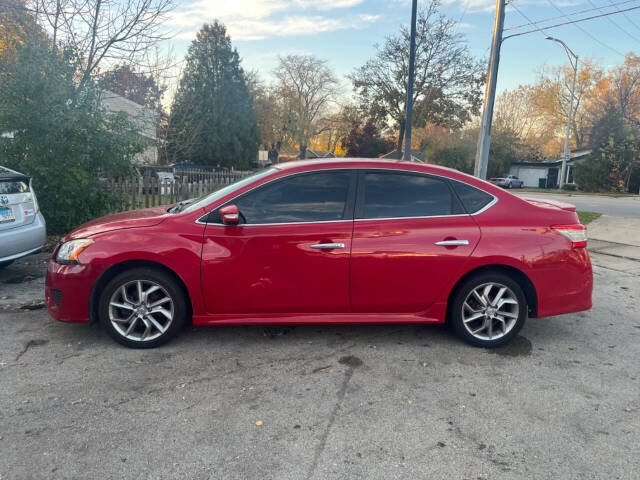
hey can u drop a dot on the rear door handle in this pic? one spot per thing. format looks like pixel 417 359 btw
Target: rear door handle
pixel 327 246
pixel 452 243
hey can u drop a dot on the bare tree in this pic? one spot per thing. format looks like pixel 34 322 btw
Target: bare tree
pixel 305 87
pixel 448 80
pixel 123 31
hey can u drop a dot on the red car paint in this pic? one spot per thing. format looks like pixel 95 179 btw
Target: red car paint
pixel 389 271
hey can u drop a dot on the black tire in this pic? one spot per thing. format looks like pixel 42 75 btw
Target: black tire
pixel 5 264
pixel 169 286
pixel 466 289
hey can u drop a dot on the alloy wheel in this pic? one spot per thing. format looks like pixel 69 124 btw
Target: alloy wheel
pixel 490 311
pixel 141 310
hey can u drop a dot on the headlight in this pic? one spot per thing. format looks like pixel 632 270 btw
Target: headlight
pixel 69 251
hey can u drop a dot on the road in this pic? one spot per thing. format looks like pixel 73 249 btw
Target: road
pixel 614 206
pixel 356 402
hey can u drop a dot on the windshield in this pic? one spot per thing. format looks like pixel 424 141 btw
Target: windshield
pixel 213 196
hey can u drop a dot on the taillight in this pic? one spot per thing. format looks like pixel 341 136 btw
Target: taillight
pixel 577 234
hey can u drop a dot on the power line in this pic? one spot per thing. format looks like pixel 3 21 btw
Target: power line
pixel 570 15
pixel 628 18
pixel 615 24
pixel 571 22
pixel 589 34
pixel 531 22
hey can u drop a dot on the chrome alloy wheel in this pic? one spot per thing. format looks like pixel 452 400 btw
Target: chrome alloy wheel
pixel 490 311
pixel 141 310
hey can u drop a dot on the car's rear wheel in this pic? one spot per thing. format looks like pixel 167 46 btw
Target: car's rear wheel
pixel 488 309
pixel 142 308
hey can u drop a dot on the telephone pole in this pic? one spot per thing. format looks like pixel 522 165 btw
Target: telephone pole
pixel 406 155
pixel 484 138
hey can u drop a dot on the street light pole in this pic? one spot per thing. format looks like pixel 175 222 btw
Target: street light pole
pixel 406 155
pixel 484 137
pixel 567 151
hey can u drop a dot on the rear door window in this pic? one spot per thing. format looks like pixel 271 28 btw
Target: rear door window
pixel 9 187
pixel 400 195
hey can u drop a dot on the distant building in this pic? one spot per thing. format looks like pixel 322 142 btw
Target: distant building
pixel 398 153
pixel 546 174
pixel 145 118
pixel 315 154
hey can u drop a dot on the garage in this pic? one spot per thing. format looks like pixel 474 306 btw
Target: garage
pixel 530 175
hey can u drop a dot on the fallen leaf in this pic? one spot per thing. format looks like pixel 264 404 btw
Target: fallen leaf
pixel 181 385
pixel 627 409
pixel 258 423
pixel 409 402
pixel 406 457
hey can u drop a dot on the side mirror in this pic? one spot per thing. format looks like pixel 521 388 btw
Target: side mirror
pixel 229 215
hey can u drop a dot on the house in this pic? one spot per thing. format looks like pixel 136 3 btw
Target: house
pixel 545 174
pixel 145 118
pixel 397 155
pixel 315 154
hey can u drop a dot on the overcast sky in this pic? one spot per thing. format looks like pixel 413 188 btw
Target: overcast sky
pixel 344 32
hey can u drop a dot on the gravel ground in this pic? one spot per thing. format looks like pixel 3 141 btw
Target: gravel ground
pixel 369 402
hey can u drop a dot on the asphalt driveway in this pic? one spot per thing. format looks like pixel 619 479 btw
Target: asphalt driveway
pixel 379 402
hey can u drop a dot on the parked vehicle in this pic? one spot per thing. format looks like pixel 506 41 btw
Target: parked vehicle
pixel 22 227
pixel 510 181
pixel 330 241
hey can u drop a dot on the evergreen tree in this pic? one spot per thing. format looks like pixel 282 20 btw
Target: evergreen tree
pixel 212 118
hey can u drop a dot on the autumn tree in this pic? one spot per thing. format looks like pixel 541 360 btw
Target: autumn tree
pixel 212 118
pixel 137 86
pixel 552 96
pixel 448 80
pixel 366 141
pixel 305 88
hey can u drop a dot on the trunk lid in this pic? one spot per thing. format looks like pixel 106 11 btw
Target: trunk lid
pixel 548 203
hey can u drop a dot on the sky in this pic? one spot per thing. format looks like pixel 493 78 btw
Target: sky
pixel 345 32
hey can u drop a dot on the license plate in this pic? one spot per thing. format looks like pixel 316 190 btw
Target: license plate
pixel 6 215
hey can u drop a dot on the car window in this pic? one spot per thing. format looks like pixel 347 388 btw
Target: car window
pixel 398 195
pixel 473 199
pixel 9 187
pixel 309 197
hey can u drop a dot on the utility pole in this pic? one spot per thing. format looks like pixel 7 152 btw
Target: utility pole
pixel 484 138
pixel 567 150
pixel 409 106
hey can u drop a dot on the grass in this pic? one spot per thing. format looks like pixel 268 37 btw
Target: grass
pixel 587 217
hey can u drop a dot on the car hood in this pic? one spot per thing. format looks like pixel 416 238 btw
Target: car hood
pixel 136 218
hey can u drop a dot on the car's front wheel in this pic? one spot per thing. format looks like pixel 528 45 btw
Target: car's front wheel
pixel 488 309
pixel 142 308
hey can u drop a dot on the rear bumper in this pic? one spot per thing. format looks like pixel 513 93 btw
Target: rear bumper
pixel 566 287
pixel 21 241
pixel 68 291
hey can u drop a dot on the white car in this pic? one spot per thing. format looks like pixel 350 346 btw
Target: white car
pixel 22 227
pixel 510 181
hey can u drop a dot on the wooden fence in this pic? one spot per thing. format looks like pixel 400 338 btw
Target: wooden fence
pixel 150 191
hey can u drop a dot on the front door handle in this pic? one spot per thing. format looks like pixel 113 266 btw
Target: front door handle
pixel 452 243
pixel 327 246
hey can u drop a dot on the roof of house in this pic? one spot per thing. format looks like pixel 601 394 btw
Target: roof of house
pixel 575 155
pixel 398 153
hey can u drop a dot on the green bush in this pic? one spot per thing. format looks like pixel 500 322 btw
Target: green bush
pixel 62 137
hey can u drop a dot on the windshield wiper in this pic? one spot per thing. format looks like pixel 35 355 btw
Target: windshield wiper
pixel 177 208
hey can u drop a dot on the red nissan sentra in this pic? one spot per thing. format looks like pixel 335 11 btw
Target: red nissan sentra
pixel 319 242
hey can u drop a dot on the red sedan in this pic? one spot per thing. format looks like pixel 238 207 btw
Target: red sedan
pixel 339 241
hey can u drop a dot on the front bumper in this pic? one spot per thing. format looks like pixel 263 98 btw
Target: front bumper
pixel 24 240
pixel 68 291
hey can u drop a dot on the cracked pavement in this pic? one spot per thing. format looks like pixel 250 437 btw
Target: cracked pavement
pixel 370 402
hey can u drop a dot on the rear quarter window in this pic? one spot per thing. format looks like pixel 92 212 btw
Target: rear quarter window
pixel 473 199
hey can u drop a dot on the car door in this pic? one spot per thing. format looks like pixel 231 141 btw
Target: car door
pixel 290 252
pixel 411 237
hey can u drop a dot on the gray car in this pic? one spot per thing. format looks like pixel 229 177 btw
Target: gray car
pixel 510 181
pixel 22 227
